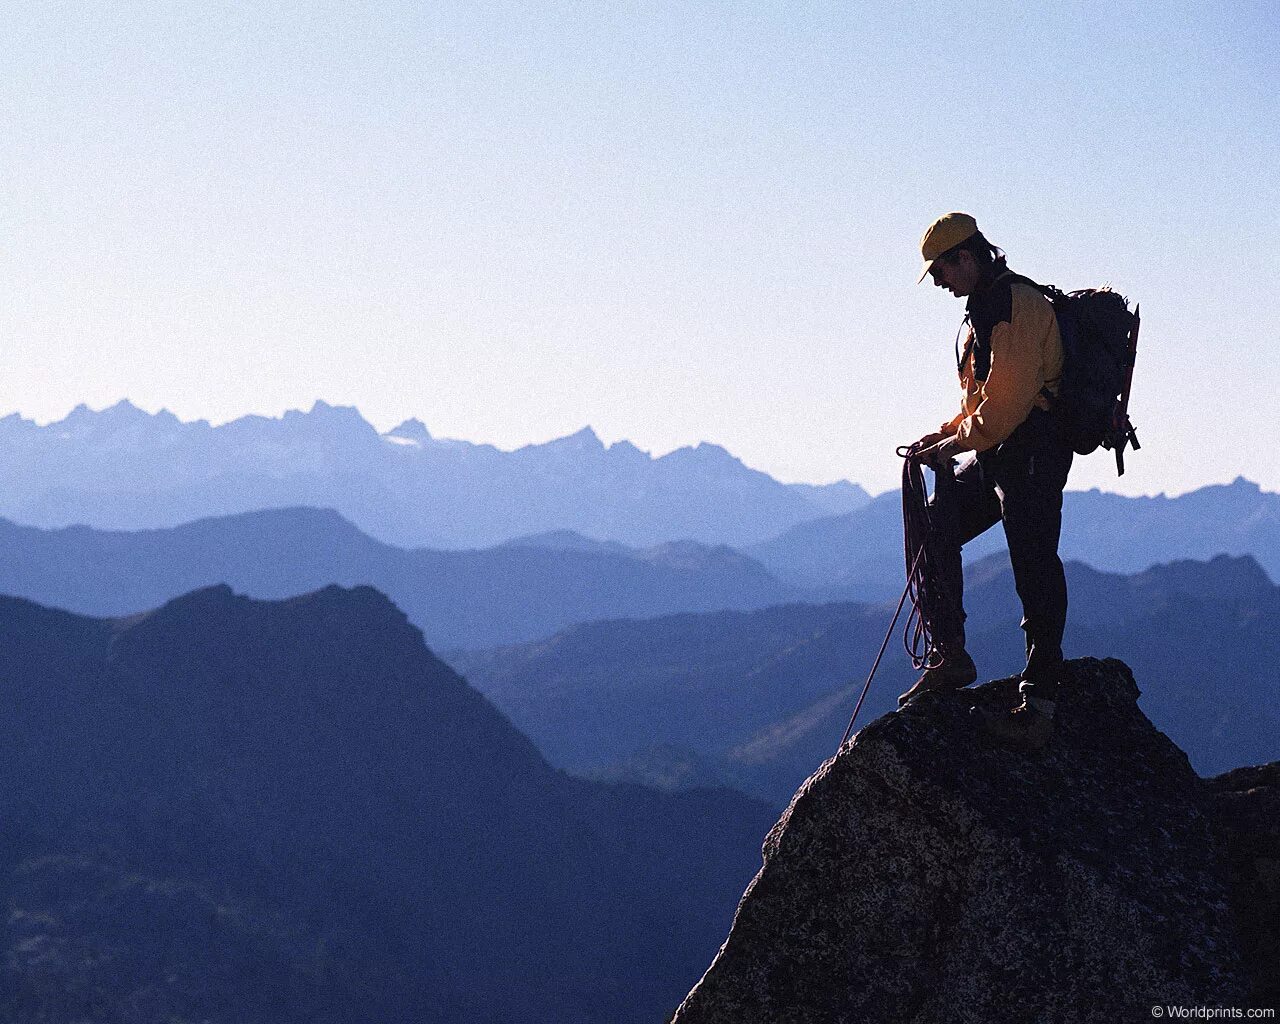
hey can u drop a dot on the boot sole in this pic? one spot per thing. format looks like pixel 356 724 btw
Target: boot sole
pixel 912 695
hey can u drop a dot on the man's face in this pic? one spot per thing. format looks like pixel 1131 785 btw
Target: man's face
pixel 958 274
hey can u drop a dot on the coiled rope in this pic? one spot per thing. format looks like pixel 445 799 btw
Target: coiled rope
pixel 925 531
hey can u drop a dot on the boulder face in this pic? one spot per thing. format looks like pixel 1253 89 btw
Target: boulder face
pixel 927 873
pixel 1247 808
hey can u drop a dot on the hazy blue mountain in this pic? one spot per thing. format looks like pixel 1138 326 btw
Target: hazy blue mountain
pixel 853 556
pixel 834 499
pixel 601 693
pixel 122 468
pixel 859 554
pixel 228 810
pixel 518 591
pixel 566 540
pixel 1129 534
pixel 759 698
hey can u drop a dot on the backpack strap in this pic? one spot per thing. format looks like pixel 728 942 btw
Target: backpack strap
pixel 968 345
pixel 1053 294
pixel 979 343
pixel 986 309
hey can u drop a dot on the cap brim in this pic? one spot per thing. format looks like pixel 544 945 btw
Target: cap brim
pixel 927 265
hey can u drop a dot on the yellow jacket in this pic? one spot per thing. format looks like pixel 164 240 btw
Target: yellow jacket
pixel 1026 355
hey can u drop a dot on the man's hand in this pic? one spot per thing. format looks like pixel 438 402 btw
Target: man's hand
pixel 929 440
pixel 939 453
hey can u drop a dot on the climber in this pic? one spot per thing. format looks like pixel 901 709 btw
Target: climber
pixel 1017 466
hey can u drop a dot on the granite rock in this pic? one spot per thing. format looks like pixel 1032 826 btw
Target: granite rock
pixel 1247 811
pixel 926 873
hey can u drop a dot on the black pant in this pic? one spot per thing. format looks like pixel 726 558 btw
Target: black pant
pixel 1019 482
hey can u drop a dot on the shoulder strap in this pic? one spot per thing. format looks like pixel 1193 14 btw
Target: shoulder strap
pixel 1048 291
pixel 968 345
pixel 1051 292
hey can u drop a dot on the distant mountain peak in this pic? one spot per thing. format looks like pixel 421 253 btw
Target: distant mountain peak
pixel 581 441
pixel 218 597
pixel 215 600
pixel 326 420
pixel 703 452
pixel 215 625
pixel 716 451
pixel 625 447
pixel 84 422
pixel 361 597
pixel 320 409
pixel 125 468
pixel 1220 578
pixel 584 438
pixel 121 410
pixel 290 517
pixel 412 429
pixel 565 540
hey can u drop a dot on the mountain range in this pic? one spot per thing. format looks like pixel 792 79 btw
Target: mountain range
pixel 280 805
pixel 758 698
pixel 682 664
pixel 525 589
pixel 123 468
pixel 858 555
pixel 229 810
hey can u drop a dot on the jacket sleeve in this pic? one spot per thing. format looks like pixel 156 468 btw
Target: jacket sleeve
pixel 1016 376
pixel 952 425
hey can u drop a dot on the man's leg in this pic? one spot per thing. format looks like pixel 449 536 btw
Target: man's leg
pixel 972 506
pixel 968 506
pixel 1030 489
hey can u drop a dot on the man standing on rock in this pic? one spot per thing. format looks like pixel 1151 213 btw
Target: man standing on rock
pixel 1018 464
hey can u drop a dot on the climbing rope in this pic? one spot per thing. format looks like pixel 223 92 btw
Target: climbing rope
pixel 932 607
pixel 928 530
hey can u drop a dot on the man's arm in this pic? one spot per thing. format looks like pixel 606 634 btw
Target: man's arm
pixel 1016 376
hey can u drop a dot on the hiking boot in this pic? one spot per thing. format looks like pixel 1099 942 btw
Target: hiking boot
pixel 956 672
pixel 1027 727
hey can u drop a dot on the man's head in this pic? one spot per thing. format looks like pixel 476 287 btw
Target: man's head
pixel 956 255
pixel 957 272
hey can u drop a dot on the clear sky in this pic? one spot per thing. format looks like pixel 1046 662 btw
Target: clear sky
pixel 672 221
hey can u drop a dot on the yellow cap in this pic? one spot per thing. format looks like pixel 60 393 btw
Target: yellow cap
pixel 945 233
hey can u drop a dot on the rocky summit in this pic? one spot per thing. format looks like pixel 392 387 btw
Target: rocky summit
pixel 927 873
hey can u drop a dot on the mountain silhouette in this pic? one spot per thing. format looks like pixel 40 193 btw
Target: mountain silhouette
pixel 229 809
pixel 123 468
pixel 858 555
pixel 758 698
pixel 525 589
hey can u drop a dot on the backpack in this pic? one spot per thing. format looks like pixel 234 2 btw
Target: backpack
pixel 1099 344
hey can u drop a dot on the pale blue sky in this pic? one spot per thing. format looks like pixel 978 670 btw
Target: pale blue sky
pixel 674 222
